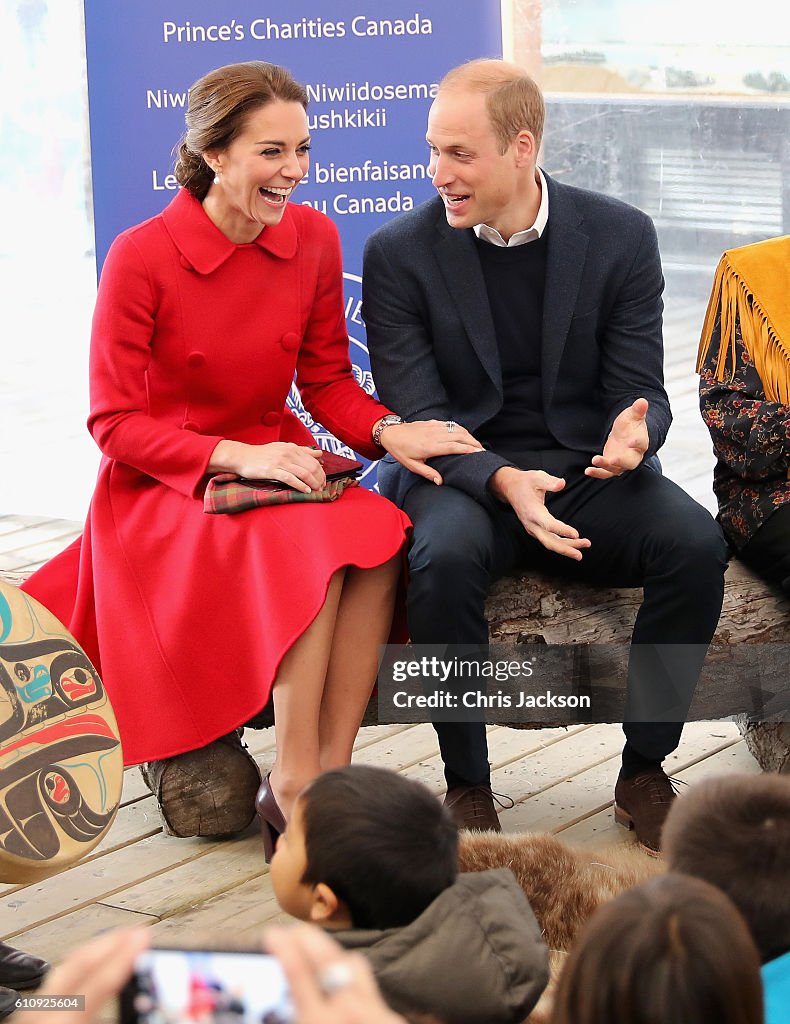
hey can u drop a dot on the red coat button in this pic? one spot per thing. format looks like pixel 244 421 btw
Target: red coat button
pixel 195 360
pixel 185 263
pixel 290 341
pixel 271 419
pixel 191 425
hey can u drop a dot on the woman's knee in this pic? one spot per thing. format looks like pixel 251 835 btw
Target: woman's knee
pixel 382 578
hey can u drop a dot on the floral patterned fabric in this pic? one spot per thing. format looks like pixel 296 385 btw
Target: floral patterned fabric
pixel 751 441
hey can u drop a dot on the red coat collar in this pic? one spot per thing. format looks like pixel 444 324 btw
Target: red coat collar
pixel 205 247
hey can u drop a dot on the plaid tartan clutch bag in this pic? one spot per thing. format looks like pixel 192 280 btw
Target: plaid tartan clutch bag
pixel 227 493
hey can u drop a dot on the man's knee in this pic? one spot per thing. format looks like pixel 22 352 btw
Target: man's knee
pixel 445 560
pixel 453 539
pixel 449 575
pixel 693 539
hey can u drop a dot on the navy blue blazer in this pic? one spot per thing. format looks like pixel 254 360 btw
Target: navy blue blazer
pixel 433 350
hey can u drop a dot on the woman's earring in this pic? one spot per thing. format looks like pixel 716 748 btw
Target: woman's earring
pixel 216 177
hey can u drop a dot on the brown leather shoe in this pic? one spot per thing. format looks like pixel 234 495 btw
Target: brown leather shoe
pixel 20 970
pixel 205 792
pixel 642 803
pixel 472 807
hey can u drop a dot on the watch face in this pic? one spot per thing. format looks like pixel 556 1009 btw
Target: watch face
pixel 386 421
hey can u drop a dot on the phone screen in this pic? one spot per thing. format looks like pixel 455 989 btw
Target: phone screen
pixel 177 986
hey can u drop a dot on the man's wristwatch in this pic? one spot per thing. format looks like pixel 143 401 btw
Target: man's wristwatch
pixel 386 421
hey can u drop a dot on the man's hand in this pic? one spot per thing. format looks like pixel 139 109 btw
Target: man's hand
pixel 626 444
pixel 525 491
pixel 412 443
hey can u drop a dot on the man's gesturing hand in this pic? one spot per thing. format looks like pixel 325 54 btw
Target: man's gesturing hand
pixel 626 444
pixel 525 491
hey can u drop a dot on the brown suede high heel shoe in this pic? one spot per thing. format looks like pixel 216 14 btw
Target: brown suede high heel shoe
pixel 271 818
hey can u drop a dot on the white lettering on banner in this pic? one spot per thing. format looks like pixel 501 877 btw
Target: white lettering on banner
pixel 307 28
pixel 168 183
pixel 367 92
pixel 360 118
pixel 160 98
pixel 398 203
pixel 354 311
pixel 415 26
pixel 189 33
pixel 323 174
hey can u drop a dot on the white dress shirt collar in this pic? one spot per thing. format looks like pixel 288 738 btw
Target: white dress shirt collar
pixel 530 234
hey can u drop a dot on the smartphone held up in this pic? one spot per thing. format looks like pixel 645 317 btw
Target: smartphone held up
pixel 179 986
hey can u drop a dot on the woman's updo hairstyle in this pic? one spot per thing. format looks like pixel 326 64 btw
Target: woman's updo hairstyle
pixel 217 108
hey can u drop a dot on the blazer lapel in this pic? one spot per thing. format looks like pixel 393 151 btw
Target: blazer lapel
pixel 460 266
pixel 567 251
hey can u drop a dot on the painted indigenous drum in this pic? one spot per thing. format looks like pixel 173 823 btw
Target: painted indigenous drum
pixel 61 766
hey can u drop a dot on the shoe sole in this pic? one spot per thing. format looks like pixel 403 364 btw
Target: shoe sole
pixel 23 986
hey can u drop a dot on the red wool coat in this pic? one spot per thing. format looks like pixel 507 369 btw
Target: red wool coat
pixel 196 339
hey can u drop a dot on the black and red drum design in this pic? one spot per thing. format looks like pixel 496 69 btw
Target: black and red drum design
pixel 61 765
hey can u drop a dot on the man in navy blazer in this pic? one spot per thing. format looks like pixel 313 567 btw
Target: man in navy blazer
pixel 528 313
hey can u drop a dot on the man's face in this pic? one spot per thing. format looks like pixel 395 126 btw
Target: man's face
pixel 478 183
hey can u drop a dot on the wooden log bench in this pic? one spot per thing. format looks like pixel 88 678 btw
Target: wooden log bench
pixel 530 608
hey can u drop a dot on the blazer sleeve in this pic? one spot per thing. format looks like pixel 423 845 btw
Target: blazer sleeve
pixel 324 374
pixel 404 366
pixel 751 435
pixel 632 351
pixel 123 329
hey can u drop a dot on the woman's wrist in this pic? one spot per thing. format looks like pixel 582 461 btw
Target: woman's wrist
pixel 390 420
pixel 226 457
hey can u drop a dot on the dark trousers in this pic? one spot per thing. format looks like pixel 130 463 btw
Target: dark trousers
pixel 768 552
pixel 644 531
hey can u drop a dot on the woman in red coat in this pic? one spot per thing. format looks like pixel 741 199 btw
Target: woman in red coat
pixel 204 313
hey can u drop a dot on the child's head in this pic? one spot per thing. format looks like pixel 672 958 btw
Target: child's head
pixel 365 848
pixel 672 949
pixel 734 832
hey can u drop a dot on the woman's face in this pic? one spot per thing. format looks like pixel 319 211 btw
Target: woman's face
pixel 262 166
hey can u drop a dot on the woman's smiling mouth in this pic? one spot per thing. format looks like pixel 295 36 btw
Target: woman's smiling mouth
pixel 275 196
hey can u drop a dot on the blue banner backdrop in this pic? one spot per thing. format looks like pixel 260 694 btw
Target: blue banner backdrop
pixel 370 71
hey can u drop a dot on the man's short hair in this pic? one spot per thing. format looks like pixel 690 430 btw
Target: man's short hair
pixel 383 844
pixel 513 99
pixel 734 832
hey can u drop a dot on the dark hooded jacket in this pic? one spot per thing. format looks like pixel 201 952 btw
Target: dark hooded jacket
pixel 474 956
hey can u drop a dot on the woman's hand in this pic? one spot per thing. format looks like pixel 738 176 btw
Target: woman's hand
pixel 290 464
pixel 328 985
pixel 412 443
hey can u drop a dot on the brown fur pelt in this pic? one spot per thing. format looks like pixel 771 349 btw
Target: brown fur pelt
pixel 564 885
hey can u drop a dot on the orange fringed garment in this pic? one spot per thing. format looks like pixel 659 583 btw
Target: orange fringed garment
pixel 752 287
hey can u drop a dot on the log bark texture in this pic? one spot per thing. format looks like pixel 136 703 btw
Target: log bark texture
pixel 531 607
